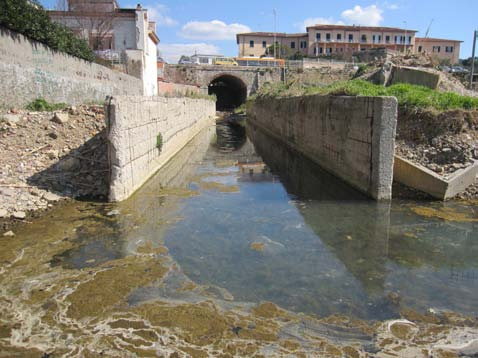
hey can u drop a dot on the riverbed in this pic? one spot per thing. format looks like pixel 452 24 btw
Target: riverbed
pixel 240 246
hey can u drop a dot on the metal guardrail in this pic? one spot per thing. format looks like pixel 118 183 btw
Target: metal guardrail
pixel 116 57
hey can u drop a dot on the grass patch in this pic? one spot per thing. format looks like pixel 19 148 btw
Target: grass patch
pixel 159 142
pixel 408 96
pixel 40 105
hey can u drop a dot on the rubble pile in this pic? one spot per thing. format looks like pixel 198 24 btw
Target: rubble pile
pixel 47 156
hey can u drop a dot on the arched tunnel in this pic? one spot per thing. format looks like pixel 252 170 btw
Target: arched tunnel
pixel 230 91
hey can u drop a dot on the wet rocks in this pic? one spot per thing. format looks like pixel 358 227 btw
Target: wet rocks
pixel 20 215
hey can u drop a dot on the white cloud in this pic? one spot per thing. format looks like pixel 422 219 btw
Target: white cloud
pixel 158 12
pixel 212 30
pixel 311 21
pixel 392 6
pixel 172 52
pixel 368 16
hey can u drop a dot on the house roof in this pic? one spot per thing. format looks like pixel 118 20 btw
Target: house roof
pixel 271 34
pixel 430 39
pixel 359 28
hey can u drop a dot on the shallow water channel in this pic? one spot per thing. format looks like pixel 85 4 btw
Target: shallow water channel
pixel 235 220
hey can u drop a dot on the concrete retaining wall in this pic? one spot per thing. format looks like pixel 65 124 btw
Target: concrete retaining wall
pixel 351 137
pixel 134 123
pixel 414 76
pixel 421 178
pixel 31 70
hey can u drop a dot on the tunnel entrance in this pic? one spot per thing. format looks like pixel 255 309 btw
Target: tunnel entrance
pixel 230 91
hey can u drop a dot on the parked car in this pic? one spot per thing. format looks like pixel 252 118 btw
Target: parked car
pixel 458 69
pixel 225 62
pixel 186 60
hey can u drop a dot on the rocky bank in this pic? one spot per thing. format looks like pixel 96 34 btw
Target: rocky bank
pixel 49 156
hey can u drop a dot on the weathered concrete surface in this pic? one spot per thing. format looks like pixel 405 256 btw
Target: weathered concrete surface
pixel 413 76
pixel 31 70
pixel 351 137
pixel 134 123
pixel 201 76
pixel 421 178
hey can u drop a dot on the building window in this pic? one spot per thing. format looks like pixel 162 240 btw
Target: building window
pixel 436 49
pixel 339 37
pixel 327 37
pixel 251 44
pixel 420 49
pixel 351 38
pixel 397 40
pixel 264 44
pixel 449 49
pixel 292 44
pixel 303 44
pixel 317 36
pixel 387 39
pixel 321 50
pixel 315 50
pixel 409 40
pixel 329 50
pixel 376 39
pixel 363 38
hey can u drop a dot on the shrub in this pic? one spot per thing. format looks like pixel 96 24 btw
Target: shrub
pixel 29 18
pixel 159 142
pixel 40 105
pixel 408 96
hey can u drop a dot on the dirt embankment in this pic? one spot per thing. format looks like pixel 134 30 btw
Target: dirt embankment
pixel 49 156
pixel 444 142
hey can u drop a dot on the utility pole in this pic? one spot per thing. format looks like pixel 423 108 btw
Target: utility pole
pixel 275 32
pixel 405 23
pixel 472 74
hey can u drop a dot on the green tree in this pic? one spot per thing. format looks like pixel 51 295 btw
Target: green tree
pixel 29 18
pixel 467 62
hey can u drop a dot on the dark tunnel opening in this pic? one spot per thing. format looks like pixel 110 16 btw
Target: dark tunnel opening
pixel 230 91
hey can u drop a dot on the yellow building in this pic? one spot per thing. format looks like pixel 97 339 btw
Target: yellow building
pixel 442 49
pixel 255 44
pixel 323 40
pixel 334 39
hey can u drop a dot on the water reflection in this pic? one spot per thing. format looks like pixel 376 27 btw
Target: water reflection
pixel 258 222
pixel 294 235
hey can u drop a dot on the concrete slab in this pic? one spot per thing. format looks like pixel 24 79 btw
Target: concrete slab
pixel 418 177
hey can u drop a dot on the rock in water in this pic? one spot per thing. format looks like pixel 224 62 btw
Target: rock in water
pixel 19 215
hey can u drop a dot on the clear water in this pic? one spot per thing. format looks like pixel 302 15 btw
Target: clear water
pixel 266 224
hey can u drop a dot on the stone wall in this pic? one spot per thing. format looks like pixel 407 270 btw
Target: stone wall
pixel 350 137
pixel 31 70
pixel 134 124
pixel 201 76
pixel 175 88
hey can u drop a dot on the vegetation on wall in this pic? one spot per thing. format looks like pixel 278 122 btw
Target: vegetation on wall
pixel 159 142
pixel 40 105
pixel 29 18
pixel 408 96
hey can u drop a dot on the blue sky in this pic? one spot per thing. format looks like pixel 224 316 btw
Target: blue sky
pixel 209 26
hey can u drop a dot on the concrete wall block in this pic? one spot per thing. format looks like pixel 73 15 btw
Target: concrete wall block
pixel 134 123
pixel 351 137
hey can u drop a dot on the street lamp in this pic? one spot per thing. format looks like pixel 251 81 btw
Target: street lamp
pixel 472 74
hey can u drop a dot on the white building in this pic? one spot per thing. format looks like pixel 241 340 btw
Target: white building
pixel 125 33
